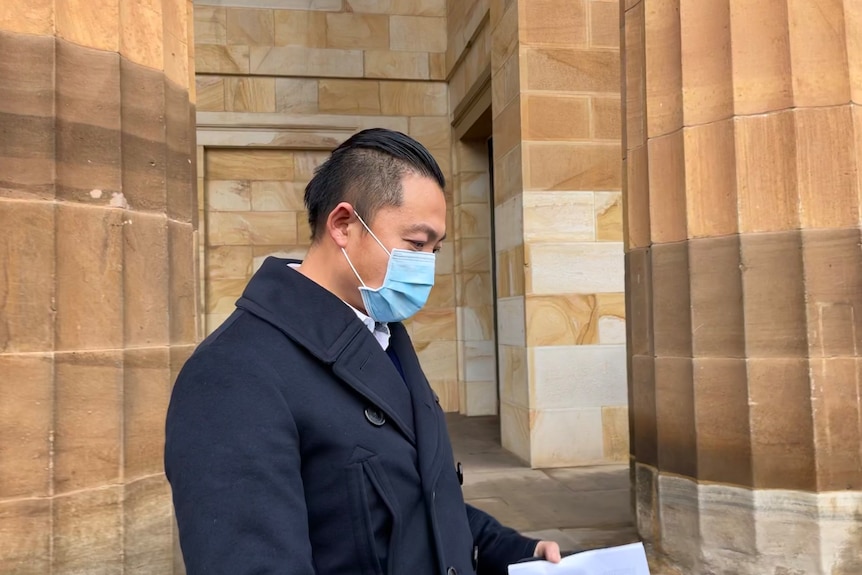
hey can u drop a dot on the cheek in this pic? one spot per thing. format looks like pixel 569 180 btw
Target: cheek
pixel 373 261
pixel 378 264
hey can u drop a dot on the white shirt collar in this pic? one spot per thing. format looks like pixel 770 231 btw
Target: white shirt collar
pixel 379 330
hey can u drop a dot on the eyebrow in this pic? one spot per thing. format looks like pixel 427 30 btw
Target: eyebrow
pixel 431 232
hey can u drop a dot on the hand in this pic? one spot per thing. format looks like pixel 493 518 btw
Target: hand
pixel 549 551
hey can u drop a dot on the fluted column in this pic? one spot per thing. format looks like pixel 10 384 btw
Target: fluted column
pixel 744 281
pixel 97 299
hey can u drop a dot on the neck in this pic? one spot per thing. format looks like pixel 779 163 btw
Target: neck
pixel 328 268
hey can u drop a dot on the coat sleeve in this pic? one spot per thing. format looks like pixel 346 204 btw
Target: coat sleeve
pixel 232 459
pixel 499 546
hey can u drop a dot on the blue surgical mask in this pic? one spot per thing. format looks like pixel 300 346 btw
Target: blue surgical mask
pixel 408 282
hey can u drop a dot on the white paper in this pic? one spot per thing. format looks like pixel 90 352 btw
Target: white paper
pixel 622 560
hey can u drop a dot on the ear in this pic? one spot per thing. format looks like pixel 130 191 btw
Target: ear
pixel 337 224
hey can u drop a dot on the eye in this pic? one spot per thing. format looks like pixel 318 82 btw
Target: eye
pixel 417 245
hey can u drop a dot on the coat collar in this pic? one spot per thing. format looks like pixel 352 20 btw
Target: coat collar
pixel 293 303
pixel 318 321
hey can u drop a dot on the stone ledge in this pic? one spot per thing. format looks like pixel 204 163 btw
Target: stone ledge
pixel 286 131
pixel 711 528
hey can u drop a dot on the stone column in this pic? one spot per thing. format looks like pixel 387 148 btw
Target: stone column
pixel 744 282
pixel 97 298
pixel 558 219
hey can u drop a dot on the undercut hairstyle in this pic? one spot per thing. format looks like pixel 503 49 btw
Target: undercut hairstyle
pixel 366 171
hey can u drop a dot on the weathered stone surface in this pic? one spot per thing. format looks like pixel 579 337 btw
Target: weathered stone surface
pixel 743 276
pixel 94 289
pixel 708 528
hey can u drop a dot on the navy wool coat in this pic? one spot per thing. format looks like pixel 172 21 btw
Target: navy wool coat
pixel 294 446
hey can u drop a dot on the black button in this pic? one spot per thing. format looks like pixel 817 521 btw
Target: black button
pixel 460 471
pixel 452 571
pixel 375 416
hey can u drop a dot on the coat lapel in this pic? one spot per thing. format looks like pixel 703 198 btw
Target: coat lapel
pixel 426 410
pixel 365 367
pixel 328 329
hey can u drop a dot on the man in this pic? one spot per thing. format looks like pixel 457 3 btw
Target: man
pixel 302 436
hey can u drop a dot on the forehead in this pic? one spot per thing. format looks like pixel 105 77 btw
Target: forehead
pixel 423 202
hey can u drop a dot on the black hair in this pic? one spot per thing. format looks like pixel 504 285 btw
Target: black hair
pixel 367 170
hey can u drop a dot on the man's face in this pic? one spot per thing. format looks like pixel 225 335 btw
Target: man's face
pixel 418 224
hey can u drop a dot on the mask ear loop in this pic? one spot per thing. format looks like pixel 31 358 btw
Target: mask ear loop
pixel 361 221
pixel 350 263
